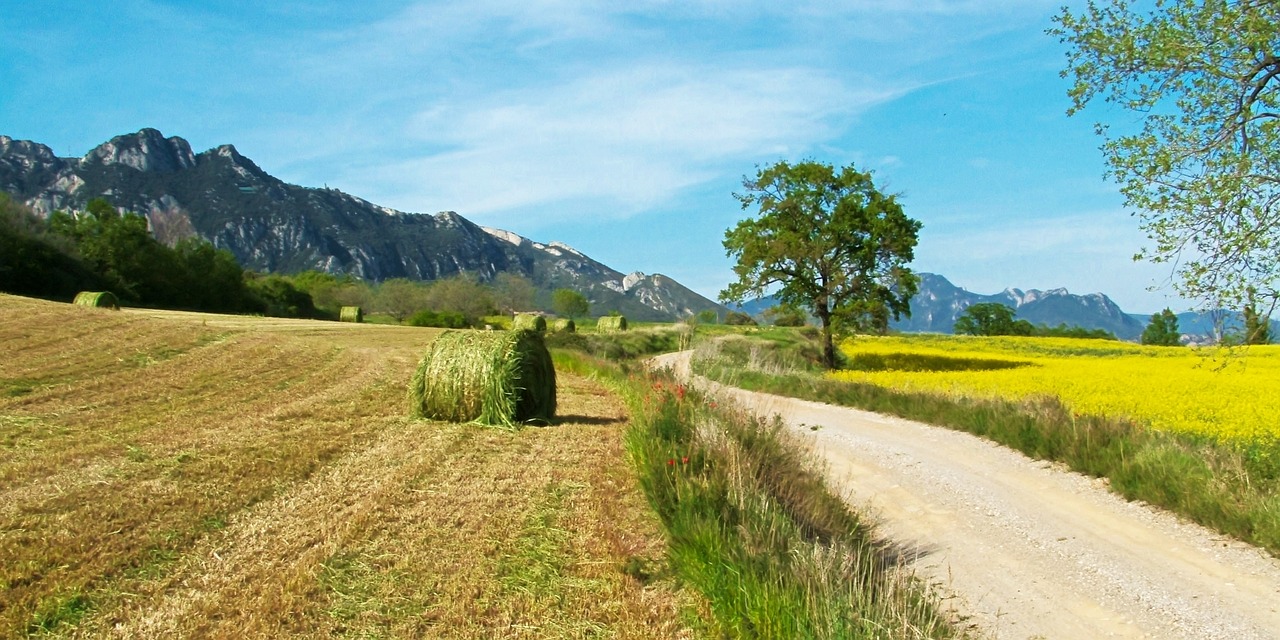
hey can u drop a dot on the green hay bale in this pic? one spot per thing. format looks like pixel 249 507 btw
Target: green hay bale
pixel 609 324
pixel 530 321
pixel 351 314
pixel 100 299
pixel 564 325
pixel 499 378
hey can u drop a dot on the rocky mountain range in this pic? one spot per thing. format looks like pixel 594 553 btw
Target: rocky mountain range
pixel 273 226
pixel 938 303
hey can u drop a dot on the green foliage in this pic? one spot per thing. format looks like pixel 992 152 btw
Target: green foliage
pixel 35 261
pixel 330 293
pixel 829 241
pixel 991 319
pixel 707 316
pixel 463 294
pixel 120 247
pixel 1162 330
pixel 277 296
pixel 513 292
pixel 995 319
pixel 400 298
pixel 785 316
pixel 442 319
pixel 739 319
pixel 569 303
pixel 104 249
pixel 1204 77
pixel 213 279
pixel 1064 331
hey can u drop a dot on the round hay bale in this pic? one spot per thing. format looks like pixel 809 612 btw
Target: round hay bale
pixel 100 299
pixel 351 314
pixel 609 324
pixel 531 321
pixel 564 325
pixel 499 378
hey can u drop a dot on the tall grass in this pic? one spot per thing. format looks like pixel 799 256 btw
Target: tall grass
pixel 1232 489
pixel 752 526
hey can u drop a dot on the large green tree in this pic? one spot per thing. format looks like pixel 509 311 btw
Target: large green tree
pixel 569 303
pixel 1202 170
pixel 1162 330
pixel 991 319
pixel 121 248
pixel 828 240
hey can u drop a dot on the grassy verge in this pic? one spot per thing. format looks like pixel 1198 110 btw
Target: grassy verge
pixel 752 526
pixel 1234 490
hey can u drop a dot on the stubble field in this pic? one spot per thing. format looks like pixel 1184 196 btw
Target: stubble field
pixel 177 475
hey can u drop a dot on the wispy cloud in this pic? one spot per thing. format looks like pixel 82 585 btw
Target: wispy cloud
pixel 624 140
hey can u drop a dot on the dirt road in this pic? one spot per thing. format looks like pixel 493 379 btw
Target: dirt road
pixel 1027 549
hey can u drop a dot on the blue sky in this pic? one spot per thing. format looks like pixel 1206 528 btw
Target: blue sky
pixel 620 128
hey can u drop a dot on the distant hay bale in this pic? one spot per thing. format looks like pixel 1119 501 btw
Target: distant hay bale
pixel 500 378
pixel 531 321
pixel 351 314
pixel 609 324
pixel 100 299
pixel 564 325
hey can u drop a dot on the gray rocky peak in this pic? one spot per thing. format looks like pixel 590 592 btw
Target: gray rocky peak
pixel 146 150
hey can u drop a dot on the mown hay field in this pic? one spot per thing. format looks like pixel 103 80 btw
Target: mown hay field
pixel 1227 397
pixel 166 474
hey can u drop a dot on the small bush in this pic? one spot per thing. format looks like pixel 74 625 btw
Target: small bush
pixel 441 319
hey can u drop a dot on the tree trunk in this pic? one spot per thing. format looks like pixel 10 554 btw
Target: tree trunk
pixel 828 345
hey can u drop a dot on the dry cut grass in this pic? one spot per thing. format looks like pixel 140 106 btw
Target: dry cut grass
pixel 186 475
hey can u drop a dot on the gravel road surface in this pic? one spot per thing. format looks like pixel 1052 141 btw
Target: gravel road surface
pixel 1027 549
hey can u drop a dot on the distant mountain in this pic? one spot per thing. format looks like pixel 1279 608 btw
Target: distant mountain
pixel 938 303
pixel 273 226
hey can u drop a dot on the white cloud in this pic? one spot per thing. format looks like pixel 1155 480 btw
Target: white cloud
pixel 627 140
pixel 1085 252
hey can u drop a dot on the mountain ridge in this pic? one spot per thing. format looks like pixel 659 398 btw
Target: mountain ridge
pixel 273 226
pixel 938 302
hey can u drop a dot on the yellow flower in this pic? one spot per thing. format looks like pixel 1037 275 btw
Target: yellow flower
pixel 1167 388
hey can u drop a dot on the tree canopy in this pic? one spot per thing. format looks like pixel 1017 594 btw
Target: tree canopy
pixel 569 303
pixel 991 319
pixel 829 241
pixel 1162 330
pixel 1203 171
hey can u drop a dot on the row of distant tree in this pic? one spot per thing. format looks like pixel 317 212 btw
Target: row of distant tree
pixel 995 319
pixel 101 249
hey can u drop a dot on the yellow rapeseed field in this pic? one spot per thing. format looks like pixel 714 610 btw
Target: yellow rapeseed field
pixel 1232 398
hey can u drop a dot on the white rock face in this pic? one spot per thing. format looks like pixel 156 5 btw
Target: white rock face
pixel 503 234
pixel 631 280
